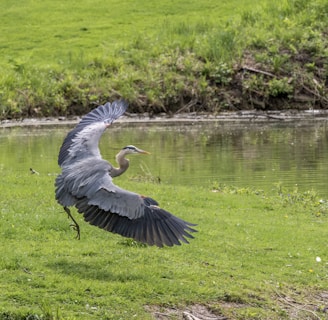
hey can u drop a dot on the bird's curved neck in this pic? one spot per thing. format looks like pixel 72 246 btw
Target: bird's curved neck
pixel 123 165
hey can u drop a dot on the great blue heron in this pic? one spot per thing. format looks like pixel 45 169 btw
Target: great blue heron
pixel 86 183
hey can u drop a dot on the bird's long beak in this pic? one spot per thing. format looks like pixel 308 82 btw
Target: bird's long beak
pixel 143 151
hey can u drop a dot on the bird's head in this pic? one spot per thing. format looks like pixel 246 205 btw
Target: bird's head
pixel 122 161
pixel 133 150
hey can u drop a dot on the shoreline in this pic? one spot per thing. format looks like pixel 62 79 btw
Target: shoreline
pixel 190 118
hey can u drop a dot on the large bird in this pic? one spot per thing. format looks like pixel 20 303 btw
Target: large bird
pixel 86 182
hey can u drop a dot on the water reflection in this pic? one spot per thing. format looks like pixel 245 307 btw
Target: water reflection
pixel 244 155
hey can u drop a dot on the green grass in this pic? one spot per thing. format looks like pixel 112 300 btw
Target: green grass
pixel 51 32
pixel 62 58
pixel 253 257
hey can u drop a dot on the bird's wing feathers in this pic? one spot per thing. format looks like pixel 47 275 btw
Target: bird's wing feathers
pixel 131 215
pixel 83 140
pixel 114 209
pixel 105 113
pixel 154 226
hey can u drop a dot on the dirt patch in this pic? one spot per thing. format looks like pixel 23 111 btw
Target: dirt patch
pixel 194 312
pixel 288 305
pixel 304 305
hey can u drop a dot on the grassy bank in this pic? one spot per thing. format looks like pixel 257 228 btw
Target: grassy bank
pixel 256 256
pixel 63 58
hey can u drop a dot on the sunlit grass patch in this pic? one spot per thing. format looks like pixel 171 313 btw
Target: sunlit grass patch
pixel 162 56
pixel 250 250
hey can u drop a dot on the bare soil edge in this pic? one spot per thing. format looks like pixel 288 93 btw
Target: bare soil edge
pixel 253 115
pixel 294 305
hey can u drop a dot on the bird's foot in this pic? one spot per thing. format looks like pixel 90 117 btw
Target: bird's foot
pixel 75 226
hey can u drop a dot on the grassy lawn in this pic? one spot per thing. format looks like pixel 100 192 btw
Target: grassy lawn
pixel 59 32
pixel 63 58
pixel 256 256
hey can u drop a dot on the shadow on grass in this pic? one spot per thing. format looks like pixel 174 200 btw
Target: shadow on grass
pixel 92 271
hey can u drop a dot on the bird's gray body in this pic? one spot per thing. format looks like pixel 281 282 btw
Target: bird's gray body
pixel 86 182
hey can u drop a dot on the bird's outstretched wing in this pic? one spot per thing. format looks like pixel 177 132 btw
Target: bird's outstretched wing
pixel 109 207
pixel 82 141
pixel 154 227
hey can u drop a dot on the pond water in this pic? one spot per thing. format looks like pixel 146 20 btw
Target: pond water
pixel 245 154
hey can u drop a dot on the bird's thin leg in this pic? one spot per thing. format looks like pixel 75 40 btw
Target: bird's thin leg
pixel 75 226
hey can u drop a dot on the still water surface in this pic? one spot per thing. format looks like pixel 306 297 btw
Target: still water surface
pixel 254 155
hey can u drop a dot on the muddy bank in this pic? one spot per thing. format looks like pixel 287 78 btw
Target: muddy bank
pixel 240 116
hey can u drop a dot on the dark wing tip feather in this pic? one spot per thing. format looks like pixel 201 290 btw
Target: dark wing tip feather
pixel 106 113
